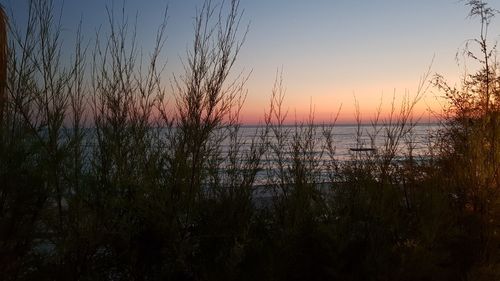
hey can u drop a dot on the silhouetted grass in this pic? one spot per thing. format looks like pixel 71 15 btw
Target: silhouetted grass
pixel 99 181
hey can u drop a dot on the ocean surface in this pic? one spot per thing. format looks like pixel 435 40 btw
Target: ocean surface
pixel 344 138
pixel 312 145
pixel 347 137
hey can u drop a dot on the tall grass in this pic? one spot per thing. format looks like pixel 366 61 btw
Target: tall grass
pixel 101 179
pixel 3 60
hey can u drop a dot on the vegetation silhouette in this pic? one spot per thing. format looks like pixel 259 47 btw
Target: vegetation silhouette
pixel 3 60
pixel 100 179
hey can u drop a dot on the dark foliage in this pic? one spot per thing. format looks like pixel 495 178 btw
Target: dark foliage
pixel 100 181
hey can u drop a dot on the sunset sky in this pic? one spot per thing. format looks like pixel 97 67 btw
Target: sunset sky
pixel 329 51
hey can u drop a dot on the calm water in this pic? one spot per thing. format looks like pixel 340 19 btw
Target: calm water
pixel 346 137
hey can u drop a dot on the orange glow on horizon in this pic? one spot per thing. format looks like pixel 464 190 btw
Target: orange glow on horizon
pixel 325 108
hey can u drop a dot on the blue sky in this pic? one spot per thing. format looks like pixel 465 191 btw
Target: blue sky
pixel 329 50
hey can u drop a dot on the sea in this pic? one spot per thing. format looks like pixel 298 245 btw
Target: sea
pixel 349 137
pixel 349 142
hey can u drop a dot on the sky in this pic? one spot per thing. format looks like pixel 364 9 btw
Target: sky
pixel 331 52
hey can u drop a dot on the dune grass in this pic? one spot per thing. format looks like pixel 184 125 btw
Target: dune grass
pixel 100 180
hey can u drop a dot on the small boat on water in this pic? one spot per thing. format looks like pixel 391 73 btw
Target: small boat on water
pixel 363 149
